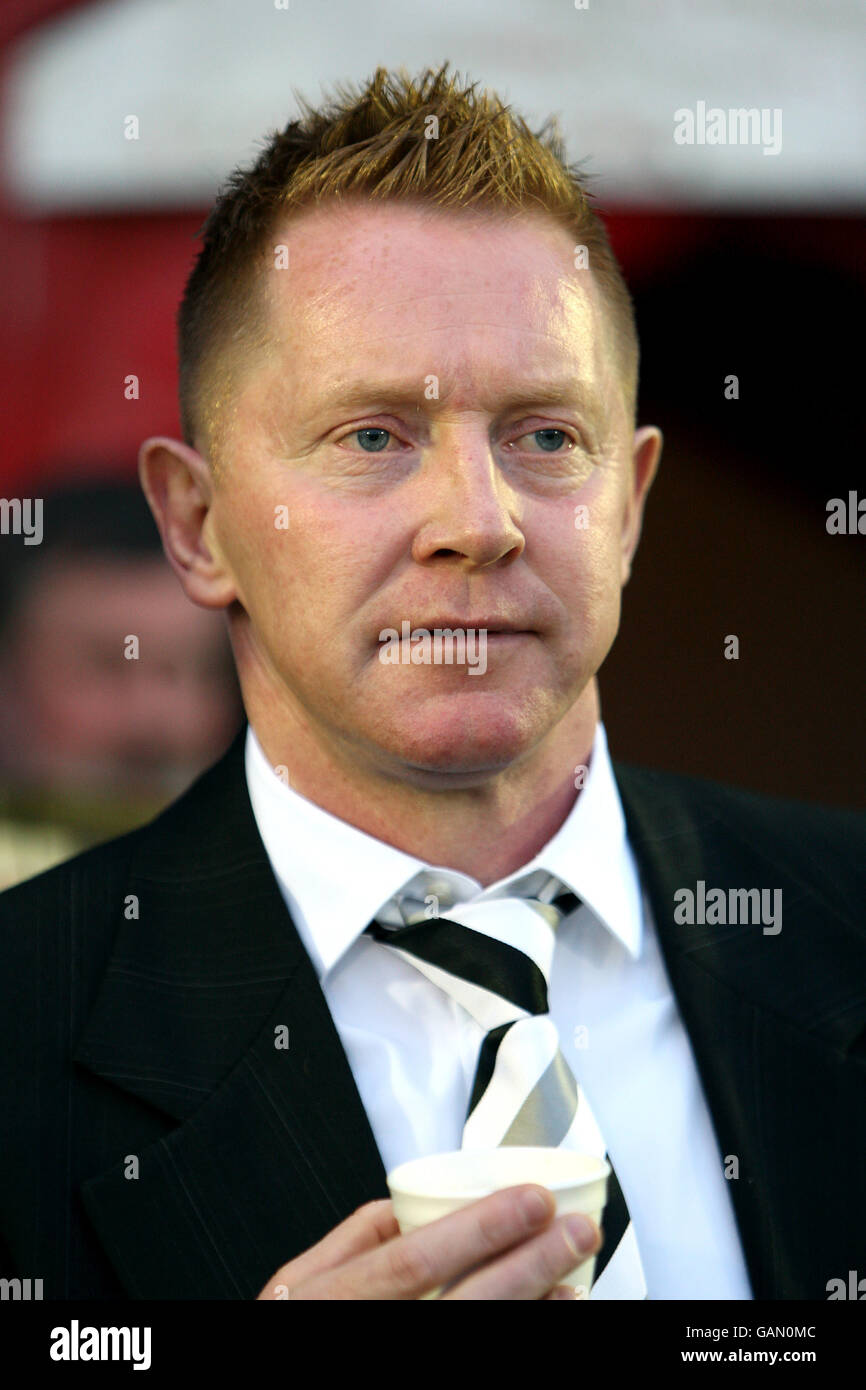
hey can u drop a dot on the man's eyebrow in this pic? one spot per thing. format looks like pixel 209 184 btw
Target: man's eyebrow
pixel 565 391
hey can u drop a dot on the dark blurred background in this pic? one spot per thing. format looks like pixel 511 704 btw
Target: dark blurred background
pixel 736 538
pixel 741 265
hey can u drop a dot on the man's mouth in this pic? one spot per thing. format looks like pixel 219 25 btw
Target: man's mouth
pixel 494 627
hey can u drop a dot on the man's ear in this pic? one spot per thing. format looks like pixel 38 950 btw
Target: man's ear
pixel 646 453
pixel 179 487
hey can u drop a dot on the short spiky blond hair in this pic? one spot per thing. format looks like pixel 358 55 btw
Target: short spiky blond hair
pixel 373 142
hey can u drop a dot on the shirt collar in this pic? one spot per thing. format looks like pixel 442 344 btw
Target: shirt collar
pixel 335 877
pixel 590 852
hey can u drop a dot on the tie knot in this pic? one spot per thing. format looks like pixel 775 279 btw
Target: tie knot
pixel 430 894
pixel 426 896
pixel 510 959
pixel 503 944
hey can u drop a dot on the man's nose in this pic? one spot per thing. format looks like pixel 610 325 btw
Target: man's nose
pixel 470 511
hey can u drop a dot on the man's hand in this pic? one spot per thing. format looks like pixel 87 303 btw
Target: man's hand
pixel 505 1246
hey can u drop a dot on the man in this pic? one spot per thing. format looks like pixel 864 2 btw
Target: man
pixel 408 385
pixel 90 744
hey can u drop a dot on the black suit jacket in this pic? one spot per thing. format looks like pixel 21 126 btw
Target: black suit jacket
pixel 142 983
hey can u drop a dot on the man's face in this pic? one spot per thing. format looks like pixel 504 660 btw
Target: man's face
pixel 81 716
pixel 403 427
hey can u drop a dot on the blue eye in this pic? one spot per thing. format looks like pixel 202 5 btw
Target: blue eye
pixel 376 444
pixel 547 444
pixel 373 439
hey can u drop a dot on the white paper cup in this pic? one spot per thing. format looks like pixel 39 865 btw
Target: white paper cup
pixel 427 1188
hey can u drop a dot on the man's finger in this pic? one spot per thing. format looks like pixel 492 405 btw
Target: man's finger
pixel 442 1251
pixel 533 1269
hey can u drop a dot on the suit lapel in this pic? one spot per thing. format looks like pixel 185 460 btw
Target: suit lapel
pixel 272 1146
pixel 767 1015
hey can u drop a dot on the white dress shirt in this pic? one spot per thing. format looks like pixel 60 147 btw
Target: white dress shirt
pixel 413 1050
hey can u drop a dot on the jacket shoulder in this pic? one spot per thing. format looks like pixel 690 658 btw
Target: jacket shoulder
pixel 705 798
pixel 820 848
pixel 79 901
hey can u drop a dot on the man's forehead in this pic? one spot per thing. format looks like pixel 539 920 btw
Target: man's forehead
pixel 358 387
pixel 450 285
pixel 426 259
pixel 495 366
pixel 493 308
pixel 388 221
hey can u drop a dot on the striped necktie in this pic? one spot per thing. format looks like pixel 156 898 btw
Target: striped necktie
pixel 494 958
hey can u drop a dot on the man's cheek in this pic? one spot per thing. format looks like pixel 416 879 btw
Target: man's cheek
pixel 592 571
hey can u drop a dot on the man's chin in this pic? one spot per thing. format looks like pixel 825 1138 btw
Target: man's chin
pixel 470 744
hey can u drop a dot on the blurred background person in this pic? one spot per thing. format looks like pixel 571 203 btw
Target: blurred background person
pixel 115 691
